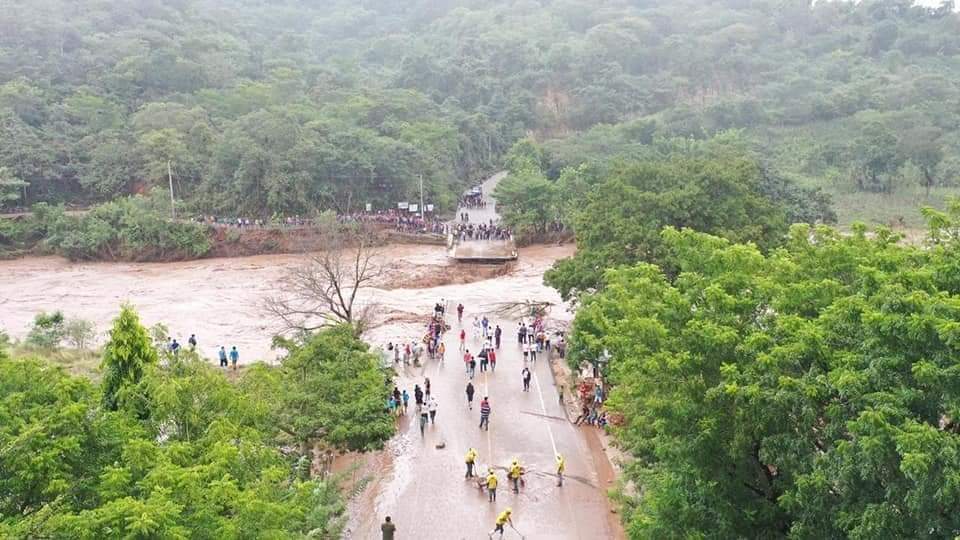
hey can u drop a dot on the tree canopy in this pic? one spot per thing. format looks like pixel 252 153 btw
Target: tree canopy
pixel 178 450
pixel 260 107
pixel 806 393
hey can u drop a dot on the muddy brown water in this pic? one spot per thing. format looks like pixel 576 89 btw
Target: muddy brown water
pixel 221 300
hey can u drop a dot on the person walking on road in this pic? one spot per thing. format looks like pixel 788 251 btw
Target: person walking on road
pixel 491 486
pixel 521 333
pixel 496 335
pixel 463 339
pixel 485 414
pixel 424 418
pixel 473 366
pixel 223 356
pixel 503 519
pixel 432 409
pixel 493 360
pixel 526 379
pixel 526 352
pixel 388 528
pixel 561 466
pixel 442 351
pixel 533 353
pixel 466 361
pixel 470 395
pixel 515 472
pixel 460 313
pixel 234 357
pixel 418 396
pixel 406 400
pixel 470 460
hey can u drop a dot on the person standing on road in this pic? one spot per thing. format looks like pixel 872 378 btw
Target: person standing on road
pixel 192 341
pixel 485 413
pixel 526 379
pixel 561 466
pixel 470 395
pixel 533 353
pixel 418 396
pixel 470 460
pixel 406 400
pixel 442 351
pixel 484 355
pixel 234 357
pixel 432 409
pixel 424 418
pixel 463 339
pixel 503 519
pixel 473 366
pixel 466 361
pixel 526 352
pixel 496 336
pixel 491 486
pixel 493 360
pixel 388 528
pixel 223 356
pixel 514 474
pixel 521 332
pixel 460 313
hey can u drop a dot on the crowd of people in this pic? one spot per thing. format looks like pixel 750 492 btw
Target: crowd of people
pixel 246 222
pixel 481 231
pixel 480 342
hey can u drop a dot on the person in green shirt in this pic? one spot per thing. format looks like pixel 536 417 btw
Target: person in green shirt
pixel 388 528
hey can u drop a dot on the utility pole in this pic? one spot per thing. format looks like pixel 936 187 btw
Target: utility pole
pixel 173 205
pixel 421 197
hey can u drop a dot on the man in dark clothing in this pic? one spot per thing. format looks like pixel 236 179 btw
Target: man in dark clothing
pixel 496 335
pixel 418 396
pixel 526 379
pixel 470 395
pixel 388 528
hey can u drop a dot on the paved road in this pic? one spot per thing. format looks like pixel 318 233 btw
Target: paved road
pixel 424 489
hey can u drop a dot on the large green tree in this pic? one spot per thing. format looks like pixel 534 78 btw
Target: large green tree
pixel 807 393
pixel 621 218
pixel 126 355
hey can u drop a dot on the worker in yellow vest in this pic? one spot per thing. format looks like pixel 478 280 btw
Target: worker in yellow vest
pixel 502 519
pixel 470 460
pixel 514 474
pixel 561 466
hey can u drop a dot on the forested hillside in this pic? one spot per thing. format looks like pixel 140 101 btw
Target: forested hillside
pixel 287 106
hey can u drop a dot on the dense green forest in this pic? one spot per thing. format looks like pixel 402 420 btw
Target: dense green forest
pixel 287 106
pixel 163 445
pixel 807 393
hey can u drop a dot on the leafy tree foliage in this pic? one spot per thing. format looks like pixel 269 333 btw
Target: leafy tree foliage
pixel 203 462
pixel 48 330
pixel 330 394
pixel 620 220
pixel 126 355
pixel 806 393
pixel 302 106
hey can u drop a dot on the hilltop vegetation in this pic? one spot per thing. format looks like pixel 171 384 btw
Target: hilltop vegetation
pixel 268 106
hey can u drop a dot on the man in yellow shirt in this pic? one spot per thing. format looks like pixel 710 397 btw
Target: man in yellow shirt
pixel 514 474
pixel 502 519
pixel 492 486
pixel 470 460
pixel 561 466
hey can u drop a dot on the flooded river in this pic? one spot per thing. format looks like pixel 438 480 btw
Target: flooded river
pixel 221 300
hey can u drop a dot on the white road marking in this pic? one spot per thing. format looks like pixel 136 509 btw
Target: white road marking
pixel 543 408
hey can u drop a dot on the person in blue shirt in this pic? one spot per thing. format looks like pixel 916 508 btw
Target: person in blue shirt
pixel 234 357
pixel 223 356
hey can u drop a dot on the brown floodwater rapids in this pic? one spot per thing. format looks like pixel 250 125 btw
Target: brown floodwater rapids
pixel 221 300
